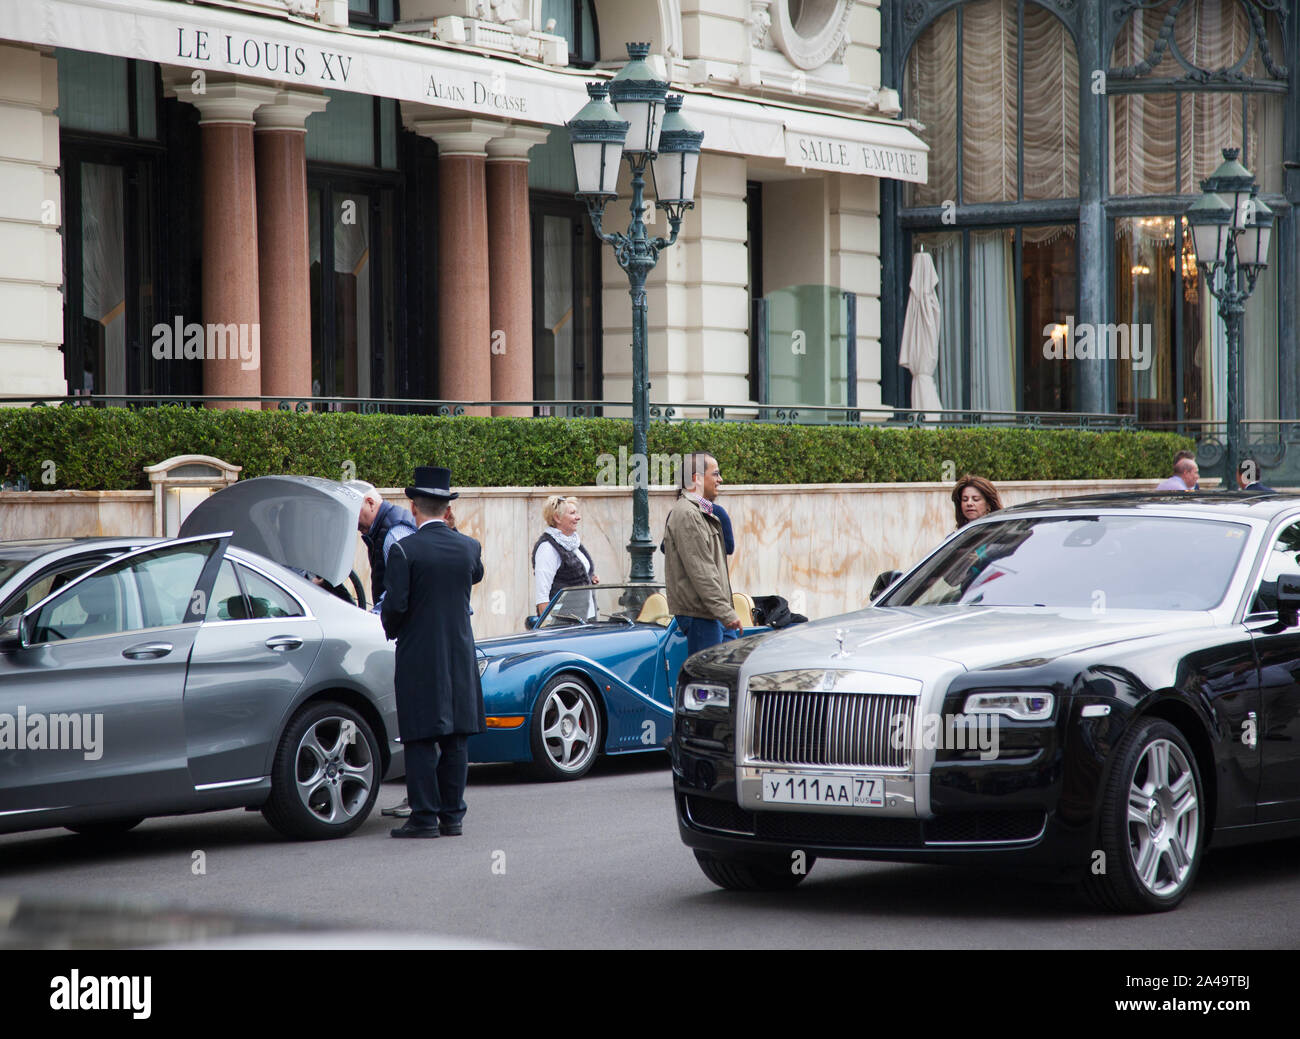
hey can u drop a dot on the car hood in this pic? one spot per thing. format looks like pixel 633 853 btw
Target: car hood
pixel 564 639
pixel 886 638
pixel 302 522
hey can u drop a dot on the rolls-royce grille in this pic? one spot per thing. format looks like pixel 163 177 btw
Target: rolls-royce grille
pixel 840 729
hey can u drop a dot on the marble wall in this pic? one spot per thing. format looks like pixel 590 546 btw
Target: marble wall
pixel 819 545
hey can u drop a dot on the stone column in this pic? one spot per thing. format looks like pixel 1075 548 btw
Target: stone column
pixel 231 309
pixel 464 300
pixel 31 254
pixel 511 266
pixel 282 243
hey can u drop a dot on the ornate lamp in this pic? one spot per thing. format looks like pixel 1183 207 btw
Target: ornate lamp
pixel 639 98
pixel 679 160
pixel 597 134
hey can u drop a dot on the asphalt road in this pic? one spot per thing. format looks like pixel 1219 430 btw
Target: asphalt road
pixel 598 863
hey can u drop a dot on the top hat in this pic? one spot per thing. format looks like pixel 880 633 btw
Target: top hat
pixel 431 481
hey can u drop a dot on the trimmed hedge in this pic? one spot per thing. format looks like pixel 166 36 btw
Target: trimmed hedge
pixel 107 448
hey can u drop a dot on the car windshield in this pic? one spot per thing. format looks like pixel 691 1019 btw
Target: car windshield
pixel 600 604
pixel 1097 561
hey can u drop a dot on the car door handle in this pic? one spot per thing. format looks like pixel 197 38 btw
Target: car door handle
pixel 280 643
pixel 147 651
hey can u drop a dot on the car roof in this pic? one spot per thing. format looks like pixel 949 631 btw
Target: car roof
pixel 1206 504
pixel 34 548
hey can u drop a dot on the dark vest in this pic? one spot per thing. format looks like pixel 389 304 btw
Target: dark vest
pixel 571 571
pixel 388 517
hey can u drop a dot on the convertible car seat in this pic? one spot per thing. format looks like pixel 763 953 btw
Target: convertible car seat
pixel 655 610
pixel 744 607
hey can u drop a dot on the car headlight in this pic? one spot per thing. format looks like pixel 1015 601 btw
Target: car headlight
pixel 483 662
pixel 1024 707
pixel 698 695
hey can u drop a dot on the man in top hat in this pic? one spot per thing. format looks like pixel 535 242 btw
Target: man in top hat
pixel 439 700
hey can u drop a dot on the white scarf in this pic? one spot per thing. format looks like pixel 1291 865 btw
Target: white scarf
pixel 569 541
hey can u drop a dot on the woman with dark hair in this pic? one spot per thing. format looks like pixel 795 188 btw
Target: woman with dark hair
pixel 974 497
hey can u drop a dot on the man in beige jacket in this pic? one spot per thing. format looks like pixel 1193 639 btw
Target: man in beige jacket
pixel 695 568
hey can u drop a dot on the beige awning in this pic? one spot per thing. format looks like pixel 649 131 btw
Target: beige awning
pixel 406 68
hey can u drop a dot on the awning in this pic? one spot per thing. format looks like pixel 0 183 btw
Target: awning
pixel 406 68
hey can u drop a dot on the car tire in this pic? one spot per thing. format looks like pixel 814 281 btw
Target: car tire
pixel 106 827
pixel 753 874
pixel 1151 828
pixel 566 729
pixel 326 776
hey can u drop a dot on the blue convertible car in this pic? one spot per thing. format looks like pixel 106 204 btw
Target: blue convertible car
pixel 596 674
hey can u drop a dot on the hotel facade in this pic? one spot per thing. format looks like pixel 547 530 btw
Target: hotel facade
pixel 374 199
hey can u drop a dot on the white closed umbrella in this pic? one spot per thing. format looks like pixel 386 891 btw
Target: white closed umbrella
pixel 919 350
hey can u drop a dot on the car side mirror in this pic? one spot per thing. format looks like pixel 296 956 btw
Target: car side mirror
pixel 531 622
pixel 883 581
pixel 13 635
pixel 1288 600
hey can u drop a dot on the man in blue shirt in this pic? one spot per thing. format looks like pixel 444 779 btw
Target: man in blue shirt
pixel 382 526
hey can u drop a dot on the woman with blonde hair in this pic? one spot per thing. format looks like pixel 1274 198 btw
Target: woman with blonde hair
pixel 974 497
pixel 559 558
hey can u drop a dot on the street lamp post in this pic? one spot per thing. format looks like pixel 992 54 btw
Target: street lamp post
pixel 642 124
pixel 1231 228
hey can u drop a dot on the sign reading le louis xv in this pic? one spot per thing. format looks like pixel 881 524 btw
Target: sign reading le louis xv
pixel 845 156
pixel 278 59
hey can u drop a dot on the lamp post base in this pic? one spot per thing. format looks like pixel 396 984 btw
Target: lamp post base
pixel 643 560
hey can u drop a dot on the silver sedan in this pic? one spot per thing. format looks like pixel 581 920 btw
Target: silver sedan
pixel 143 677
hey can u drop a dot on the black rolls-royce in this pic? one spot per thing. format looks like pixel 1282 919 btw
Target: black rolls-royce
pixel 1096 689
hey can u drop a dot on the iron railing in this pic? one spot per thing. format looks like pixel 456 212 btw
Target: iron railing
pixel 811 414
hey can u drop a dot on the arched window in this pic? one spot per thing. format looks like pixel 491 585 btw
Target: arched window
pixel 996 83
pixel 968 61
pixel 1188 78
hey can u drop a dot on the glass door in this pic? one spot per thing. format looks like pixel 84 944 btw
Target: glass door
pixel 109 272
pixel 353 297
pixel 566 302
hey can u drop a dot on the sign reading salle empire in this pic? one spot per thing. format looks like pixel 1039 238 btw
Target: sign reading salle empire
pixel 843 156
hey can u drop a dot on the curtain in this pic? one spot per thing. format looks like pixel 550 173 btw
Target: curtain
pixel 1259 347
pixel 1214 367
pixel 948 264
pixel 993 323
pixel 988 149
pixel 352 294
pixel 556 368
pixel 1051 98
pixel 103 273
pixel 930 84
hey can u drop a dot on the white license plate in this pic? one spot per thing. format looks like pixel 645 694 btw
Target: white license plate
pixel 802 788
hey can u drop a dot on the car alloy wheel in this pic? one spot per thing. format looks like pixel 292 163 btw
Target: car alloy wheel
pixel 566 729
pixel 325 778
pixel 1151 833
pixel 334 770
pixel 1164 818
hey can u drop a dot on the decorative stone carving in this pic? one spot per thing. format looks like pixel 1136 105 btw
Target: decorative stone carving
pixel 913 13
pixel 838 57
pixel 760 24
pixel 822 25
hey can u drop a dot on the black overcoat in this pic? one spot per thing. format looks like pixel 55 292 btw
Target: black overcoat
pixel 428 581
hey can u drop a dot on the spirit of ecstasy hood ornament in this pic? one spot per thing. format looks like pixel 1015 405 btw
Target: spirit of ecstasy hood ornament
pixel 840 634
